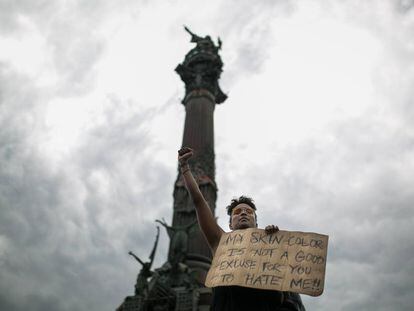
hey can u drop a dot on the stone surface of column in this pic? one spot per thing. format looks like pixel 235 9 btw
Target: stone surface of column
pixel 200 71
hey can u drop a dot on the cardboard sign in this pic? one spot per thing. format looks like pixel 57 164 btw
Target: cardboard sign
pixel 285 261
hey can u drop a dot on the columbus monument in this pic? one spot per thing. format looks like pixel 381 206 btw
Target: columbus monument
pixel 179 283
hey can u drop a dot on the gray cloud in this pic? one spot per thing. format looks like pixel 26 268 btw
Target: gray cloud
pixel 73 32
pixel 13 11
pixel 65 231
pixel 248 31
pixel 82 238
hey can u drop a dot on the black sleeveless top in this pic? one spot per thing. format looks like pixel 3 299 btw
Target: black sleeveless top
pixel 237 298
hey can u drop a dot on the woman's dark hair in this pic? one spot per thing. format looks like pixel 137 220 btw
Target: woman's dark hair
pixel 242 199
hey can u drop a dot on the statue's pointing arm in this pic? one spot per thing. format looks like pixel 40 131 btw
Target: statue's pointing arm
pixel 194 37
pixel 136 257
pixel 170 230
pixel 155 247
pixel 188 30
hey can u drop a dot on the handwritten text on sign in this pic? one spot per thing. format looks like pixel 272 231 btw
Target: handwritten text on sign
pixel 286 261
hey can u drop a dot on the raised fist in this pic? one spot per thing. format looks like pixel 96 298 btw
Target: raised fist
pixel 184 154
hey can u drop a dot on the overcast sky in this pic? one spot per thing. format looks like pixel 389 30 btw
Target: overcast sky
pixel 318 129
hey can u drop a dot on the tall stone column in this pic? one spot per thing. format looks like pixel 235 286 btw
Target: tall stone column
pixel 200 71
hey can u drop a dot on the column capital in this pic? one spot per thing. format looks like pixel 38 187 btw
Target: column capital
pixel 202 67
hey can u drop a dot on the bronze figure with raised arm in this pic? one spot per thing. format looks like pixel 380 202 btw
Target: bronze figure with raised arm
pixel 141 286
pixel 242 212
